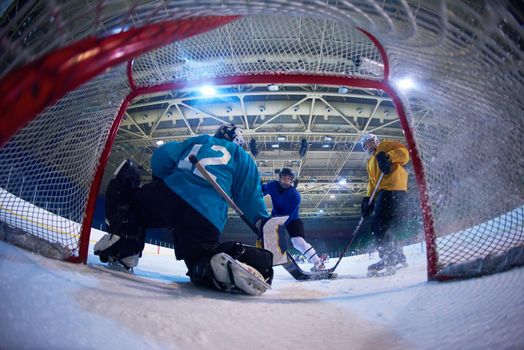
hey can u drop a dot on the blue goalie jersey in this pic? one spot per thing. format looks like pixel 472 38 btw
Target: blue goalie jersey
pixel 231 167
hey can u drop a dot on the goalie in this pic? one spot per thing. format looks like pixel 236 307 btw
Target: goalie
pixel 181 199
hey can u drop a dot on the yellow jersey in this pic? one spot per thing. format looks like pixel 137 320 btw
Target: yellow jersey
pixel 397 179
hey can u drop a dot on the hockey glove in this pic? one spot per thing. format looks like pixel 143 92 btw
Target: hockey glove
pixel 367 208
pixel 384 163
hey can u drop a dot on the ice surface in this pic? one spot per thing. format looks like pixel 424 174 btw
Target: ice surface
pixel 47 304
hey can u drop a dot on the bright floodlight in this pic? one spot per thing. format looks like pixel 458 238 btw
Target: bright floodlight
pixel 342 182
pixel 160 142
pixel 405 84
pixel 208 90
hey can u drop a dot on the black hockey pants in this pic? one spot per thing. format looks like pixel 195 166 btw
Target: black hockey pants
pixel 386 218
pixel 159 207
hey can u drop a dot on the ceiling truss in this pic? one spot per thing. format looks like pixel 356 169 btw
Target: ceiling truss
pixel 331 175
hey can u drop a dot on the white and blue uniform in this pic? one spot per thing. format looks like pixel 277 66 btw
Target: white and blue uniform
pixel 232 168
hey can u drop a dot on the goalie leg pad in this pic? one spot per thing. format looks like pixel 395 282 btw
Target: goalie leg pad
pixel 120 209
pixel 260 259
pixel 201 272
pixel 231 274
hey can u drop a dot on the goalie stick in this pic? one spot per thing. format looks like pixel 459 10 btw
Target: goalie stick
pixel 291 266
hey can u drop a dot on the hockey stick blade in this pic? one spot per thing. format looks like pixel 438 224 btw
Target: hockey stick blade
pixel 300 275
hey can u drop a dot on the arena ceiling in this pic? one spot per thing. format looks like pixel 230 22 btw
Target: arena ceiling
pixel 331 119
pixel 331 173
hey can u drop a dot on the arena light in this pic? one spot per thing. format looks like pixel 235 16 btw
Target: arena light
pixel 343 182
pixel 118 30
pixel 160 142
pixel 404 84
pixel 208 90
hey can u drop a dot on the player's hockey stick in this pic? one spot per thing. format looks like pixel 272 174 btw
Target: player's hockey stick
pixel 358 226
pixel 291 266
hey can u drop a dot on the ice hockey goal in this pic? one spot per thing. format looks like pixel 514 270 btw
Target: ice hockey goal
pixel 69 70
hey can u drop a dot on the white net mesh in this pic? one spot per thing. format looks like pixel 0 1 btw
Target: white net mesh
pixel 465 113
pixel 47 168
pixel 263 44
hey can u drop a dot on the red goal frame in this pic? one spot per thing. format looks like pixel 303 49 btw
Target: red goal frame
pixel 28 90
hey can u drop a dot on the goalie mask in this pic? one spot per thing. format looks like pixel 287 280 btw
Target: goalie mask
pixel 230 133
pixel 369 143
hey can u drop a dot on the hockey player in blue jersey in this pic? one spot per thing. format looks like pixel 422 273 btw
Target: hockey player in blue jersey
pixel 181 199
pixel 286 201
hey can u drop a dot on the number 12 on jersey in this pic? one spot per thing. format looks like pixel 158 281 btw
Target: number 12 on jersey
pixel 205 161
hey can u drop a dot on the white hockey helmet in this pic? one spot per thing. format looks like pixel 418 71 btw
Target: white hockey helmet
pixel 231 133
pixel 369 143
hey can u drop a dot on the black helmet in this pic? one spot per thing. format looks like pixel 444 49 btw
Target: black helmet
pixel 286 172
pixel 230 133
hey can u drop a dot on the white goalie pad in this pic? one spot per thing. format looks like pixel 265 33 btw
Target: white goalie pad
pixel 105 242
pixel 235 275
pixel 272 239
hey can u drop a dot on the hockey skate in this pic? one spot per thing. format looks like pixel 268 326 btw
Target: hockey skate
pixel 400 258
pixel 234 276
pixel 379 269
pixel 125 264
pixel 401 261
pixel 319 266
pixel 109 250
pixel 384 267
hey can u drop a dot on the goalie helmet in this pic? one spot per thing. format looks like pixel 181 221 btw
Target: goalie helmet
pixel 369 143
pixel 231 133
